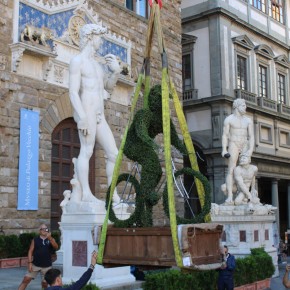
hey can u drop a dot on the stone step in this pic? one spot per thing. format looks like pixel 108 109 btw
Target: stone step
pixel 137 285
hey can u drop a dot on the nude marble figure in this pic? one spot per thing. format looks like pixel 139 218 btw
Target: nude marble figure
pixel 88 78
pixel 237 138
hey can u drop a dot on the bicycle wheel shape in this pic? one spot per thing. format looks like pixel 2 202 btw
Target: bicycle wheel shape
pixel 200 217
pixel 132 221
pixel 127 192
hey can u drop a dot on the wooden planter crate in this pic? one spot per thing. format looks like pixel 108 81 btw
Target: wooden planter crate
pixel 139 246
pixel 153 246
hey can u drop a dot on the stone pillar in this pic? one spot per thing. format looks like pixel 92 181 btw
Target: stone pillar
pixel 257 184
pixel 78 244
pixel 211 182
pixel 275 201
pixel 288 208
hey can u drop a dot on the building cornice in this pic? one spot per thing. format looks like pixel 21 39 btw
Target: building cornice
pixel 225 13
pixel 222 99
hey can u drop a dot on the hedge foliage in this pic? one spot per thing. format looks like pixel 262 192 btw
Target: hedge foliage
pixel 255 267
pixel 141 147
pixel 177 280
pixel 12 246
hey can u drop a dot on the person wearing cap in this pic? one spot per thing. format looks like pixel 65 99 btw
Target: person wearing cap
pixel 54 279
pixel 39 257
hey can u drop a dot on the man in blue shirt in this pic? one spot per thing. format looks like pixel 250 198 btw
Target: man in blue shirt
pixel 53 277
pixel 226 271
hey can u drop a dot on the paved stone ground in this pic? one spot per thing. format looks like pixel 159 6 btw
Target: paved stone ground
pixel 11 278
pixel 276 283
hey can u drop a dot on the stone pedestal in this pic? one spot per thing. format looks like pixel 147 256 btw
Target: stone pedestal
pixel 77 247
pixel 244 230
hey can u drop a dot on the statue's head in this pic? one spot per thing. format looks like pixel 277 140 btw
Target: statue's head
pixel 238 103
pixel 88 31
pixel 244 158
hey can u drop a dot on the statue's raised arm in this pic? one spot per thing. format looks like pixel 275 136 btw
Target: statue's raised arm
pixel 114 70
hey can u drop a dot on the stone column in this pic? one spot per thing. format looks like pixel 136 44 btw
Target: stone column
pixel 257 184
pixel 275 201
pixel 211 182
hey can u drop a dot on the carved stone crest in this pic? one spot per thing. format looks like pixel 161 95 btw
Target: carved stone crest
pixel 75 24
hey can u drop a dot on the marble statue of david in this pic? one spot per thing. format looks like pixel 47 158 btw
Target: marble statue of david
pixel 88 78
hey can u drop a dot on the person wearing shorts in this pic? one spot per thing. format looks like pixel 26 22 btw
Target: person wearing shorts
pixel 39 257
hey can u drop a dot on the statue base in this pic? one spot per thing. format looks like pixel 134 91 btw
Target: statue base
pixel 84 210
pixel 77 246
pixel 245 228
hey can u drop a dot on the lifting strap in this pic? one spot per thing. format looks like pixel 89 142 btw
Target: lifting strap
pixel 166 86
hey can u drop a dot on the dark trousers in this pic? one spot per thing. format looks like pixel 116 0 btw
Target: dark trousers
pixel 225 283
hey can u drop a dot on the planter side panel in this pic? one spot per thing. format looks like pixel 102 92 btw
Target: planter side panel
pixel 10 263
pixel 250 286
pixel 204 247
pixel 23 262
pixel 264 284
pixel 139 246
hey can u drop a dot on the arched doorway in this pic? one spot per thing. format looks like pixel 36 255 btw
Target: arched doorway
pixel 65 146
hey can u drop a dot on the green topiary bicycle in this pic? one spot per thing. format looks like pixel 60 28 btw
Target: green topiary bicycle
pixel 141 148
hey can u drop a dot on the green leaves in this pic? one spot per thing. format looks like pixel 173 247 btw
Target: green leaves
pixel 141 147
pixel 178 280
pixel 260 264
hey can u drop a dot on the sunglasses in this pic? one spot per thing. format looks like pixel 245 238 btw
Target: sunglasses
pixel 44 229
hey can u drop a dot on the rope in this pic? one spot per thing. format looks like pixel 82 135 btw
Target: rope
pixel 187 141
pixel 168 167
pixel 117 170
pixel 166 85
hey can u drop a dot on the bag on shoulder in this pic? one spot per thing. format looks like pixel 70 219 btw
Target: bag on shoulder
pixel 53 257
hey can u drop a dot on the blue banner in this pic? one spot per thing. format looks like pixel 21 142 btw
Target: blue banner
pixel 28 160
